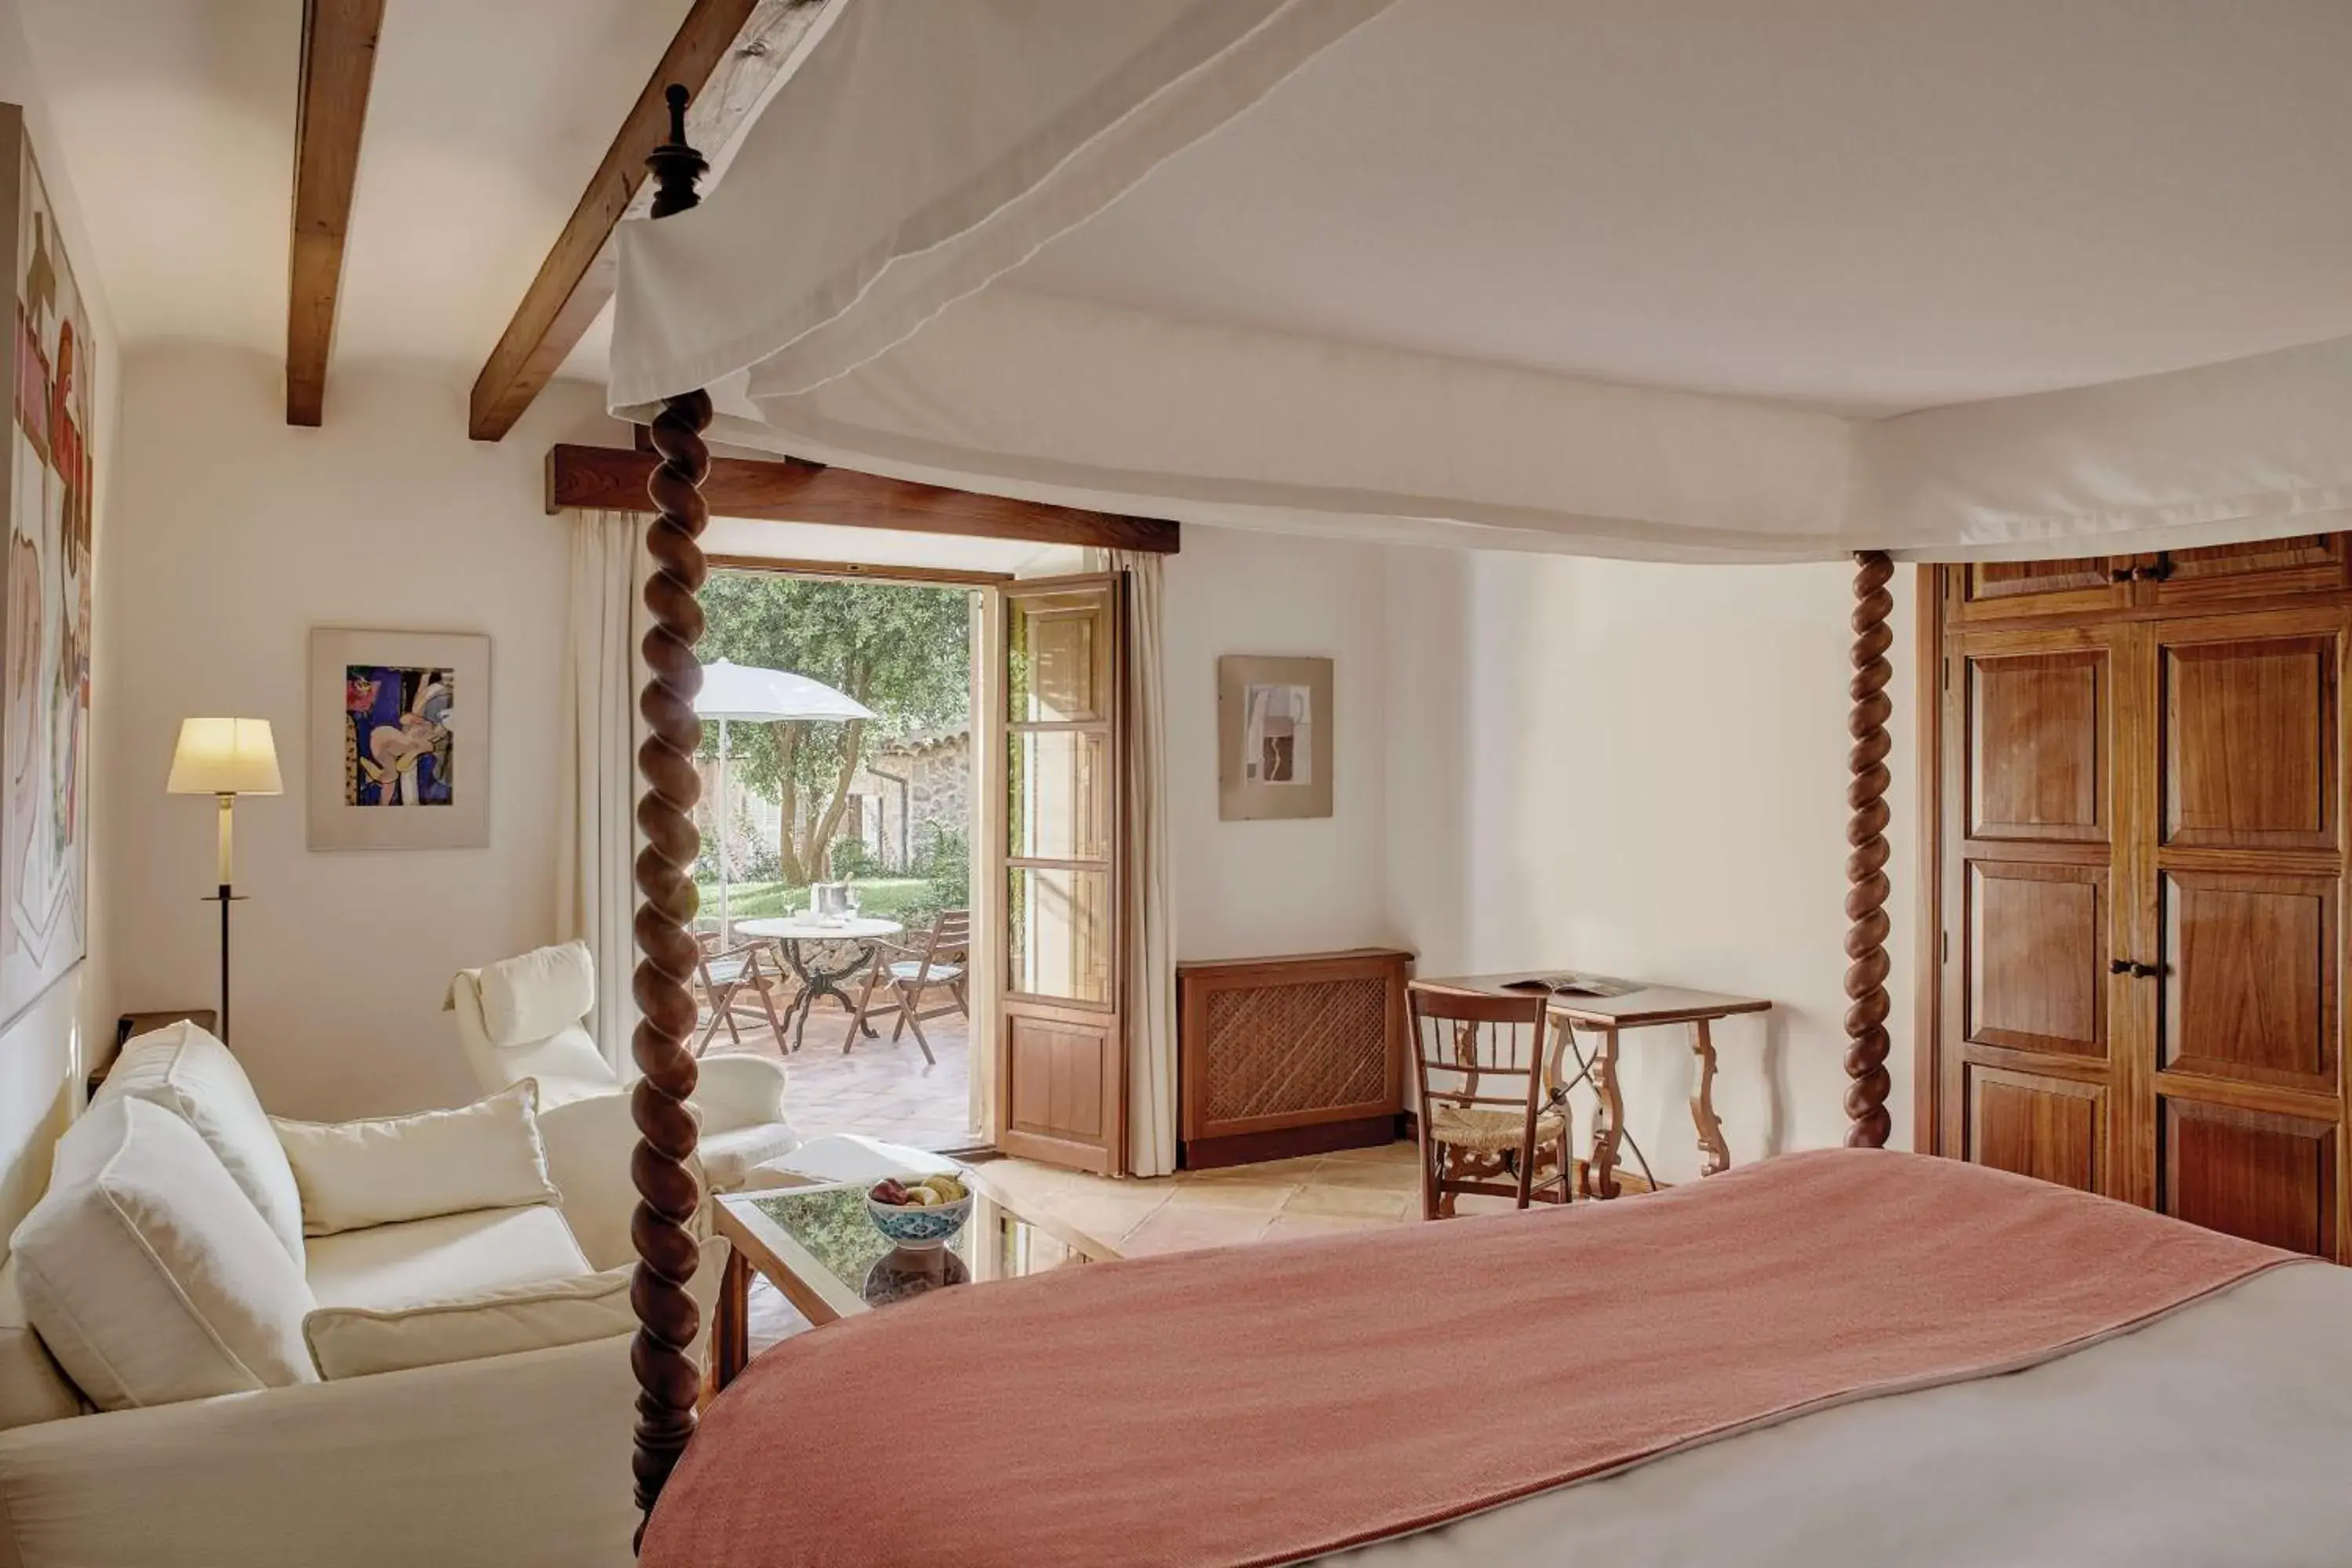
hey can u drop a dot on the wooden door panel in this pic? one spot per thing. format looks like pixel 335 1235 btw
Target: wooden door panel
pixel 2270 1179
pixel 2051 1129
pixel 2037 953
pixel 1060 1088
pixel 2250 977
pixel 1061 1091
pixel 1990 589
pixel 2038 762
pixel 2249 749
pixel 2211 574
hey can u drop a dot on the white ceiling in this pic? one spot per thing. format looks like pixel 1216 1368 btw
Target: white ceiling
pixel 1867 205
pixel 487 118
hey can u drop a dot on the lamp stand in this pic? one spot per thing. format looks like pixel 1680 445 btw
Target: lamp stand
pixel 226 897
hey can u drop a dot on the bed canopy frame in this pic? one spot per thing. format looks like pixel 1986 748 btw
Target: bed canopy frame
pixel 669 1379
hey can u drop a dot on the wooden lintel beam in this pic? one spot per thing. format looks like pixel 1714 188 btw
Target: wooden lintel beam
pixel 859 571
pixel 725 53
pixel 338 39
pixel 786 489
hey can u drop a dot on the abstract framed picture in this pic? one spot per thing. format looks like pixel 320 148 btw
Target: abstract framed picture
pixel 45 607
pixel 400 740
pixel 1274 737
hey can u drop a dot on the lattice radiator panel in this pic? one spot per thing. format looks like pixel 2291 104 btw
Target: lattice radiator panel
pixel 1272 1046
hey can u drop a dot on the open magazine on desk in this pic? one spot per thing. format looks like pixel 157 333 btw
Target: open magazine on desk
pixel 1570 983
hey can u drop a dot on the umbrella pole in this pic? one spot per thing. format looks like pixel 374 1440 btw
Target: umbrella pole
pixel 726 938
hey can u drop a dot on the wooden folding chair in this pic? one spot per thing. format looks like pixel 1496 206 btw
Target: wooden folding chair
pixel 1489 1121
pixel 903 974
pixel 733 980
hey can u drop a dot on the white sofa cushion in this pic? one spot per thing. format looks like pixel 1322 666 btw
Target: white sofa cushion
pixel 388 1169
pixel 539 994
pixel 148 1273
pixel 397 1265
pixel 33 1388
pixel 187 1071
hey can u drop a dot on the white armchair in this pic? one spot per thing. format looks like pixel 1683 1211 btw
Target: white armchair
pixel 526 1018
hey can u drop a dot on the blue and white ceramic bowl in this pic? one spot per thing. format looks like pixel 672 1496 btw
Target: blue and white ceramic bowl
pixel 918 1228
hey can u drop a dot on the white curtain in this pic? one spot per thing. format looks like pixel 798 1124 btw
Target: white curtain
pixel 597 883
pixel 1150 912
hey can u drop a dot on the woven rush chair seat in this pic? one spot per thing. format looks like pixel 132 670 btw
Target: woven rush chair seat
pixel 1471 1127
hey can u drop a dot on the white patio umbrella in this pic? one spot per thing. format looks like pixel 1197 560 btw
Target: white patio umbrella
pixel 731 692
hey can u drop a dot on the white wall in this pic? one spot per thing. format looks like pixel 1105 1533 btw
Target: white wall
pixel 1245 888
pixel 1547 762
pixel 1657 791
pixel 234 534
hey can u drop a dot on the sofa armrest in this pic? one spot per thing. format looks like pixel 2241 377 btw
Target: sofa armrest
pixel 513 1459
pixel 738 1091
pixel 591 1144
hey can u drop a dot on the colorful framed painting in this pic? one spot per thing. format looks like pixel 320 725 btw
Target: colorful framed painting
pixel 1274 738
pixel 400 740
pixel 45 606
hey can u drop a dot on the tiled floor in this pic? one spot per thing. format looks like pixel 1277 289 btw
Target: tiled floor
pixel 1312 1196
pixel 882 1089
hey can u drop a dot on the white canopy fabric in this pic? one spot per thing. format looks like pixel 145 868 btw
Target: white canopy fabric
pixel 732 690
pixel 1688 280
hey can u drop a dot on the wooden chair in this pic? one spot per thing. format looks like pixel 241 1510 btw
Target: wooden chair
pixel 733 980
pixel 1489 1120
pixel 903 974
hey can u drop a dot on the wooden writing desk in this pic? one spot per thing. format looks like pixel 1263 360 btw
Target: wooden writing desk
pixel 1646 1007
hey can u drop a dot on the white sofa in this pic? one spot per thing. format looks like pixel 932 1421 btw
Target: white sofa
pixel 527 1017
pixel 169 1266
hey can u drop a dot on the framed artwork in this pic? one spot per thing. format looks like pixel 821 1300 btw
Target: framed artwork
pixel 400 740
pixel 1274 737
pixel 45 631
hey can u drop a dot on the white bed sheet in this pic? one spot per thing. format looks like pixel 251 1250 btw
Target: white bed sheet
pixel 2219 1436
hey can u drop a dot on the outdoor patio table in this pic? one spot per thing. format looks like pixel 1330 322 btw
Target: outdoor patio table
pixel 804 941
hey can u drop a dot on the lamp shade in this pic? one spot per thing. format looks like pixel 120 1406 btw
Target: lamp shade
pixel 225 756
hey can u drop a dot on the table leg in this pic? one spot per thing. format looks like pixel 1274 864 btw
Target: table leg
pixel 730 1331
pixel 1715 1154
pixel 1608 1117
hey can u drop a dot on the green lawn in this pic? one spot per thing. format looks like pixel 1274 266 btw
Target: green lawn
pixel 757 901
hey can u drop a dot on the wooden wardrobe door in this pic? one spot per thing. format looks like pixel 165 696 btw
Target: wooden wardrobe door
pixel 2030 835
pixel 2246 1100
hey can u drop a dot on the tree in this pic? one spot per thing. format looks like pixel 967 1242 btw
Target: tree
pixel 905 652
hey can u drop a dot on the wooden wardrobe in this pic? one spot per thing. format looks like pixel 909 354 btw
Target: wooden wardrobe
pixel 2135 892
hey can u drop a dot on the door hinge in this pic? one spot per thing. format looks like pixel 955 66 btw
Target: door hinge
pixel 1948 675
pixel 1947 947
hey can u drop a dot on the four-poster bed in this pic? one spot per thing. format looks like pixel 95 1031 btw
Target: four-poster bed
pixel 880 343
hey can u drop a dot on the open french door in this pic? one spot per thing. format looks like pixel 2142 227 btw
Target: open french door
pixel 1060 1094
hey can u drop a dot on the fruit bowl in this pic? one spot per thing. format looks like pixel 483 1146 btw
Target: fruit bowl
pixel 916 1212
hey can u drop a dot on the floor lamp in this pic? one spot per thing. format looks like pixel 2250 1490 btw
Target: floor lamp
pixel 224 758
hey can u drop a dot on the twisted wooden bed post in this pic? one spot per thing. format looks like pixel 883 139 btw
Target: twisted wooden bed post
pixel 668 1380
pixel 1865 868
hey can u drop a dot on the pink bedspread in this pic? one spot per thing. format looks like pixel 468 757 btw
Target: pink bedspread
pixel 1264 1404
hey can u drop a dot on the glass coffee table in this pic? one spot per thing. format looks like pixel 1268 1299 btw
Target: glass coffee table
pixel 815 1244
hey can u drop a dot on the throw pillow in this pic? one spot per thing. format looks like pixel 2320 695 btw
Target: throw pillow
pixel 354 1174
pixel 187 1070
pixel 147 1272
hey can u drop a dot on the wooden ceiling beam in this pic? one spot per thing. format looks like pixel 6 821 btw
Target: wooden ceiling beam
pixel 787 489
pixel 727 53
pixel 339 38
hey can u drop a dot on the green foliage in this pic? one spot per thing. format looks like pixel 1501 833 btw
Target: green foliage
pixel 904 652
pixel 944 864
pixel 851 857
pixel 900 898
